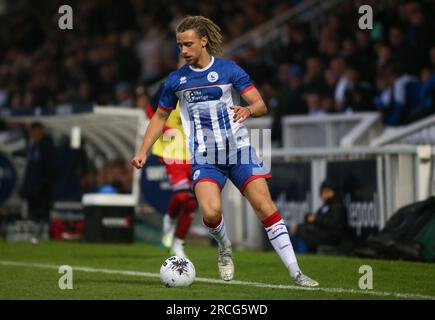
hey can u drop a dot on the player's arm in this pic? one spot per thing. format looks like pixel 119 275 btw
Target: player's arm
pixel 256 107
pixel 153 132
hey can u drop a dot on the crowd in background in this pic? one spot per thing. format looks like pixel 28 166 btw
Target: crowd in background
pixel 113 47
pixel 116 46
pixel 327 67
pixel 341 68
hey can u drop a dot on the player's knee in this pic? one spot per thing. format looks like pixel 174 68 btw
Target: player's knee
pixel 211 211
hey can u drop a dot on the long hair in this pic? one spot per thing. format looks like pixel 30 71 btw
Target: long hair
pixel 204 28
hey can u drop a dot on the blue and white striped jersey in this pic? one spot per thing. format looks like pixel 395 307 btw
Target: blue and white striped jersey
pixel 205 97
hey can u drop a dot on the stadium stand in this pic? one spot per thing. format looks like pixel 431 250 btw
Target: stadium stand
pixel 115 47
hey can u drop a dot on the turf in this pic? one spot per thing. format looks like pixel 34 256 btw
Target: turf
pixel 391 279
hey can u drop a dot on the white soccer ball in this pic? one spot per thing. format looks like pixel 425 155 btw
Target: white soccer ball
pixel 177 272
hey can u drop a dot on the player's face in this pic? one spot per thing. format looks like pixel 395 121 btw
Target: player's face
pixel 191 46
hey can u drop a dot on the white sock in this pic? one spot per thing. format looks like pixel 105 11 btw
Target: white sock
pixel 219 234
pixel 178 242
pixel 168 223
pixel 280 240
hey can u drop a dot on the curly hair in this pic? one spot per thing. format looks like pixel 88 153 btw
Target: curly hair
pixel 204 28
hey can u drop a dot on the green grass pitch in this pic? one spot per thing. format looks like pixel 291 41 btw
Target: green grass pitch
pixel 31 272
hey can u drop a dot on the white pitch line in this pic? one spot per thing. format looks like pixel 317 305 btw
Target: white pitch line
pixel 217 281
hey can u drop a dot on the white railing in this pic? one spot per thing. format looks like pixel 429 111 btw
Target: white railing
pixel 420 132
pixel 330 130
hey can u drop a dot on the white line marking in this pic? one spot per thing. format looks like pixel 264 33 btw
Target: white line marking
pixel 217 281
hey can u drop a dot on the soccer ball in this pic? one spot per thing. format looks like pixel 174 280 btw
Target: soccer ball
pixel 177 272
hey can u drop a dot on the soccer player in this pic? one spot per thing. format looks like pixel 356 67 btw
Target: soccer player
pixel 172 151
pixel 218 140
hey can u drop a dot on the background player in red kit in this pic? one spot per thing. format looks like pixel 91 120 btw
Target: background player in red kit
pixel 174 154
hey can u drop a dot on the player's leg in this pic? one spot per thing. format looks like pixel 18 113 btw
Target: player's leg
pixel 179 225
pixel 250 178
pixel 185 218
pixel 182 178
pixel 188 208
pixel 170 220
pixel 208 195
pixel 258 195
pixel 181 187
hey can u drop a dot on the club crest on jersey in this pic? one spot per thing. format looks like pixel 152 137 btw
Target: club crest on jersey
pixel 183 80
pixel 213 76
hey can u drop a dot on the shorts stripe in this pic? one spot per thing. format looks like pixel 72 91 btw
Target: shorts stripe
pixel 251 178
pixel 209 180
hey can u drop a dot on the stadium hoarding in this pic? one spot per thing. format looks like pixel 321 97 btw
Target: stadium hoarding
pixel 374 182
pixel 355 180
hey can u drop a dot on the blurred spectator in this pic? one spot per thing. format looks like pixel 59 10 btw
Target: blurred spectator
pixel 300 46
pixel 85 93
pixel 383 54
pixel 345 85
pixel 314 104
pixel 352 94
pixel 114 177
pixel 419 32
pixel 392 99
pixel 365 54
pixel 142 98
pixel 425 106
pixel 289 98
pixel 402 53
pixel 153 49
pixel 328 226
pixel 38 176
pixel 124 96
pixel 68 167
pixel 252 63
pixel 313 79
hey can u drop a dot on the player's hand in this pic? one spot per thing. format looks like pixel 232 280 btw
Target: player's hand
pixel 139 160
pixel 240 113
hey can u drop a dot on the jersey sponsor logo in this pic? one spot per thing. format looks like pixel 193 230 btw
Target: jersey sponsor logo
pixel 183 80
pixel 213 76
pixel 196 174
pixel 203 94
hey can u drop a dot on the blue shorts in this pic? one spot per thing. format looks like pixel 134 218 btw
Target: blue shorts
pixel 240 169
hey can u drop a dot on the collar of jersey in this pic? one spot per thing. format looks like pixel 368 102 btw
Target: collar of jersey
pixel 205 68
